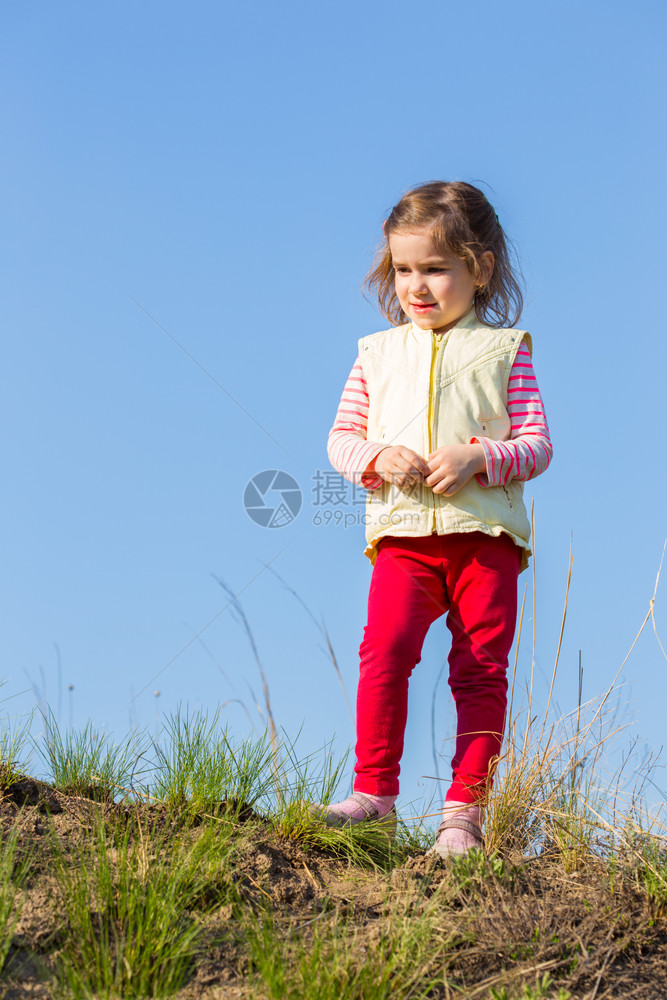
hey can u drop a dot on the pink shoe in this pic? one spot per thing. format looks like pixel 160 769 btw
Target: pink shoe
pixel 333 817
pixel 458 821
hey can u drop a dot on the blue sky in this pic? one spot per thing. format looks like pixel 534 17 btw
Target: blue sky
pixel 192 196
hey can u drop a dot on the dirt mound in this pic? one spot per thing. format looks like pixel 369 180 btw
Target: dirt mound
pixel 259 907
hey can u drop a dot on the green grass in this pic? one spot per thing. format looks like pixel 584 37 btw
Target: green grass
pixel 543 990
pixel 14 871
pixel 15 739
pixel 650 856
pixel 90 763
pixel 474 871
pixel 302 783
pixel 200 769
pixel 128 896
pixel 330 961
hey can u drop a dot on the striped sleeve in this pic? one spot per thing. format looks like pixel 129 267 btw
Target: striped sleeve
pixel 349 451
pixel 528 451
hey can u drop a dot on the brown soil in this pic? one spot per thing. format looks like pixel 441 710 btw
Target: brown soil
pixel 596 940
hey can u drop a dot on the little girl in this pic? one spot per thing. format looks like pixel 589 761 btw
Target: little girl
pixel 441 420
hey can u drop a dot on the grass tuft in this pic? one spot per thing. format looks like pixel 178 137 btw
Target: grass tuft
pixel 331 961
pixel 13 874
pixel 543 990
pixel 201 770
pixel 14 740
pixel 127 899
pixel 89 763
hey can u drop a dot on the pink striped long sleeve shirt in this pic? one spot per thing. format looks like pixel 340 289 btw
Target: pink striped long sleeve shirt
pixel 525 455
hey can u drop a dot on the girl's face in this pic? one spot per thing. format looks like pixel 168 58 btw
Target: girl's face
pixel 435 292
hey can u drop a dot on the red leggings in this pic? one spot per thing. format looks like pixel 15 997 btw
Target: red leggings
pixel 472 577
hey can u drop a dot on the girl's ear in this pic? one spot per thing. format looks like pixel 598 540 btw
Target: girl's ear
pixel 487 262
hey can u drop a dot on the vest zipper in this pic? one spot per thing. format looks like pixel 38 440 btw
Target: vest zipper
pixel 435 348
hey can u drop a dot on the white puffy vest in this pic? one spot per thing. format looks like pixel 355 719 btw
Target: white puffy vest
pixel 427 391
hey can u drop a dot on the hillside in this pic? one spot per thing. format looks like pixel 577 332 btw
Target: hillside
pixel 171 899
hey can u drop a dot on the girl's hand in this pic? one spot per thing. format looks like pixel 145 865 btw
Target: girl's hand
pixel 400 465
pixel 452 466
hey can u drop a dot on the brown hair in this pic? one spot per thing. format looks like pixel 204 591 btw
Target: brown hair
pixel 463 224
